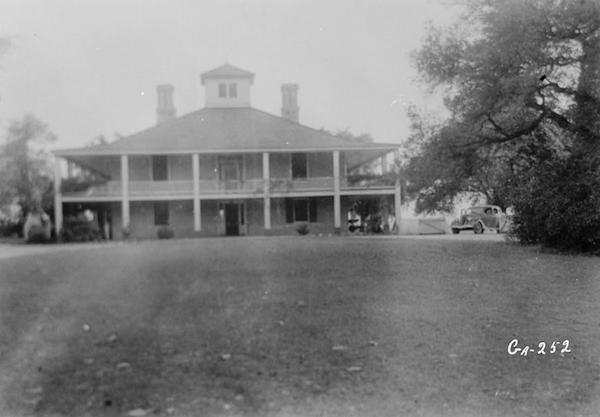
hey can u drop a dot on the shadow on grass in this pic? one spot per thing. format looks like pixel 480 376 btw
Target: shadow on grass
pixel 213 332
pixel 309 327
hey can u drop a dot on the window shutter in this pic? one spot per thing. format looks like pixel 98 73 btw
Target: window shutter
pixel 312 208
pixel 299 166
pixel 160 168
pixel 289 210
pixel 161 213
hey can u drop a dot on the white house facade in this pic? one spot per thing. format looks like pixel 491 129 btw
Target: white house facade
pixel 227 169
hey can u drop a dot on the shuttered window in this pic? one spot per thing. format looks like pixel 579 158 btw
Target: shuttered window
pixel 159 168
pixel 312 210
pixel 299 166
pixel 301 210
pixel 161 214
pixel 232 90
pixel 289 210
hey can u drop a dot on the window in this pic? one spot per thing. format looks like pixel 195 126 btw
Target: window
pixel 301 210
pixel 222 90
pixel 161 214
pixel 232 90
pixel 159 168
pixel 299 166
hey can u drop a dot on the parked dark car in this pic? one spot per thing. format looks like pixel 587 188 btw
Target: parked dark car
pixel 481 218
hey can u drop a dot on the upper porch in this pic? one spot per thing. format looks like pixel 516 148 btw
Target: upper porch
pixel 214 176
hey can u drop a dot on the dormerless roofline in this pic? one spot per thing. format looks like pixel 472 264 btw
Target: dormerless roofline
pixel 111 152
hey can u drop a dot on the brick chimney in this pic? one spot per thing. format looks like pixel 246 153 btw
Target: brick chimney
pixel 165 110
pixel 289 108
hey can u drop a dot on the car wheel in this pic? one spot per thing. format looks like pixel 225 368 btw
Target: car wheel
pixel 477 228
pixel 455 231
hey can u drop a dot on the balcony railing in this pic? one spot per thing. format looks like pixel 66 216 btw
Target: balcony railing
pixel 112 189
pixel 231 186
pixel 139 188
pixel 285 185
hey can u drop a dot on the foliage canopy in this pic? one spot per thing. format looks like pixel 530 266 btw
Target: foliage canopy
pixel 521 82
pixel 25 175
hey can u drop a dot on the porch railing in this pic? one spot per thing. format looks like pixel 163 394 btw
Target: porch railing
pixel 256 186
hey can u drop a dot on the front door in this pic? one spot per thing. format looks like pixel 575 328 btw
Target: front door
pixel 232 219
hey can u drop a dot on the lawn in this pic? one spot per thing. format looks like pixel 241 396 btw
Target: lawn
pixel 300 326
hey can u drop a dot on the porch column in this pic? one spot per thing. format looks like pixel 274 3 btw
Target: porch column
pixel 397 195
pixel 125 191
pixel 397 205
pixel 58 212
pixel 337 207
pixel 266 191
pixel 196 173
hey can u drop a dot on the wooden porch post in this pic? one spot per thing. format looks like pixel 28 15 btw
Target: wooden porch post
pixel 337 215
pixel 266 191
pixel 196 173
pixel 397 195
pixel 125 191
pixel 58 210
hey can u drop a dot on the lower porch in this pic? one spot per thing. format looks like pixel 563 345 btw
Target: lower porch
pixel 223 217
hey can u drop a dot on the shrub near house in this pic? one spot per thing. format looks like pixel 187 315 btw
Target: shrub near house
pixel 79 229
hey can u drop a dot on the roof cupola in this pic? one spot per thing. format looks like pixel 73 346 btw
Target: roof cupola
pixel 227 86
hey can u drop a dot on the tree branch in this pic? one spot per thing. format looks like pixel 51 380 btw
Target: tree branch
pixel 507 137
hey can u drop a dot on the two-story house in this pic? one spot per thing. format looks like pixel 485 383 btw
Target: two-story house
pixel 227 169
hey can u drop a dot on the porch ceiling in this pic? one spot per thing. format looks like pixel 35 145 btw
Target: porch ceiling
pixel 355 159
pixel 101 164
pixel 98 164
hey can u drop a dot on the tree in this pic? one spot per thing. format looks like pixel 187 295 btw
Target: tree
pixel 25 174
pixel 516 74
pixel 348 136
pixel 521 80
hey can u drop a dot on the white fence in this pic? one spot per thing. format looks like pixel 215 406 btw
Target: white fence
pixel 424 226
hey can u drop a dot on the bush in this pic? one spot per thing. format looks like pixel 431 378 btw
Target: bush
pixel 79 230
pixel 302 229
pixel 37 234
pixel 557 204
pixel 165 233
pixel 11 228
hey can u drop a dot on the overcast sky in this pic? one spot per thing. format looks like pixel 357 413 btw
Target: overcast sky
pixel 90 68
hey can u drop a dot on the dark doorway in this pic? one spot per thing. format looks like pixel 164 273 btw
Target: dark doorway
pixel 232 219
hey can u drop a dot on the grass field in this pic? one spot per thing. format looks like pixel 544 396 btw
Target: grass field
pixel 301 326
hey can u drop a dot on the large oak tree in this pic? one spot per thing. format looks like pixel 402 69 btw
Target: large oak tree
pixel 521 81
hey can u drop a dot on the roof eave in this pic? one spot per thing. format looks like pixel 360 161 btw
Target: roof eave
pixel 117 152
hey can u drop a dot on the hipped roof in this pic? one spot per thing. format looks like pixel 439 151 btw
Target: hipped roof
pixel 226 71
pixel 228 130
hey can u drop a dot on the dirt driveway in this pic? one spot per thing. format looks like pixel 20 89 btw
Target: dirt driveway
pixel 300 326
